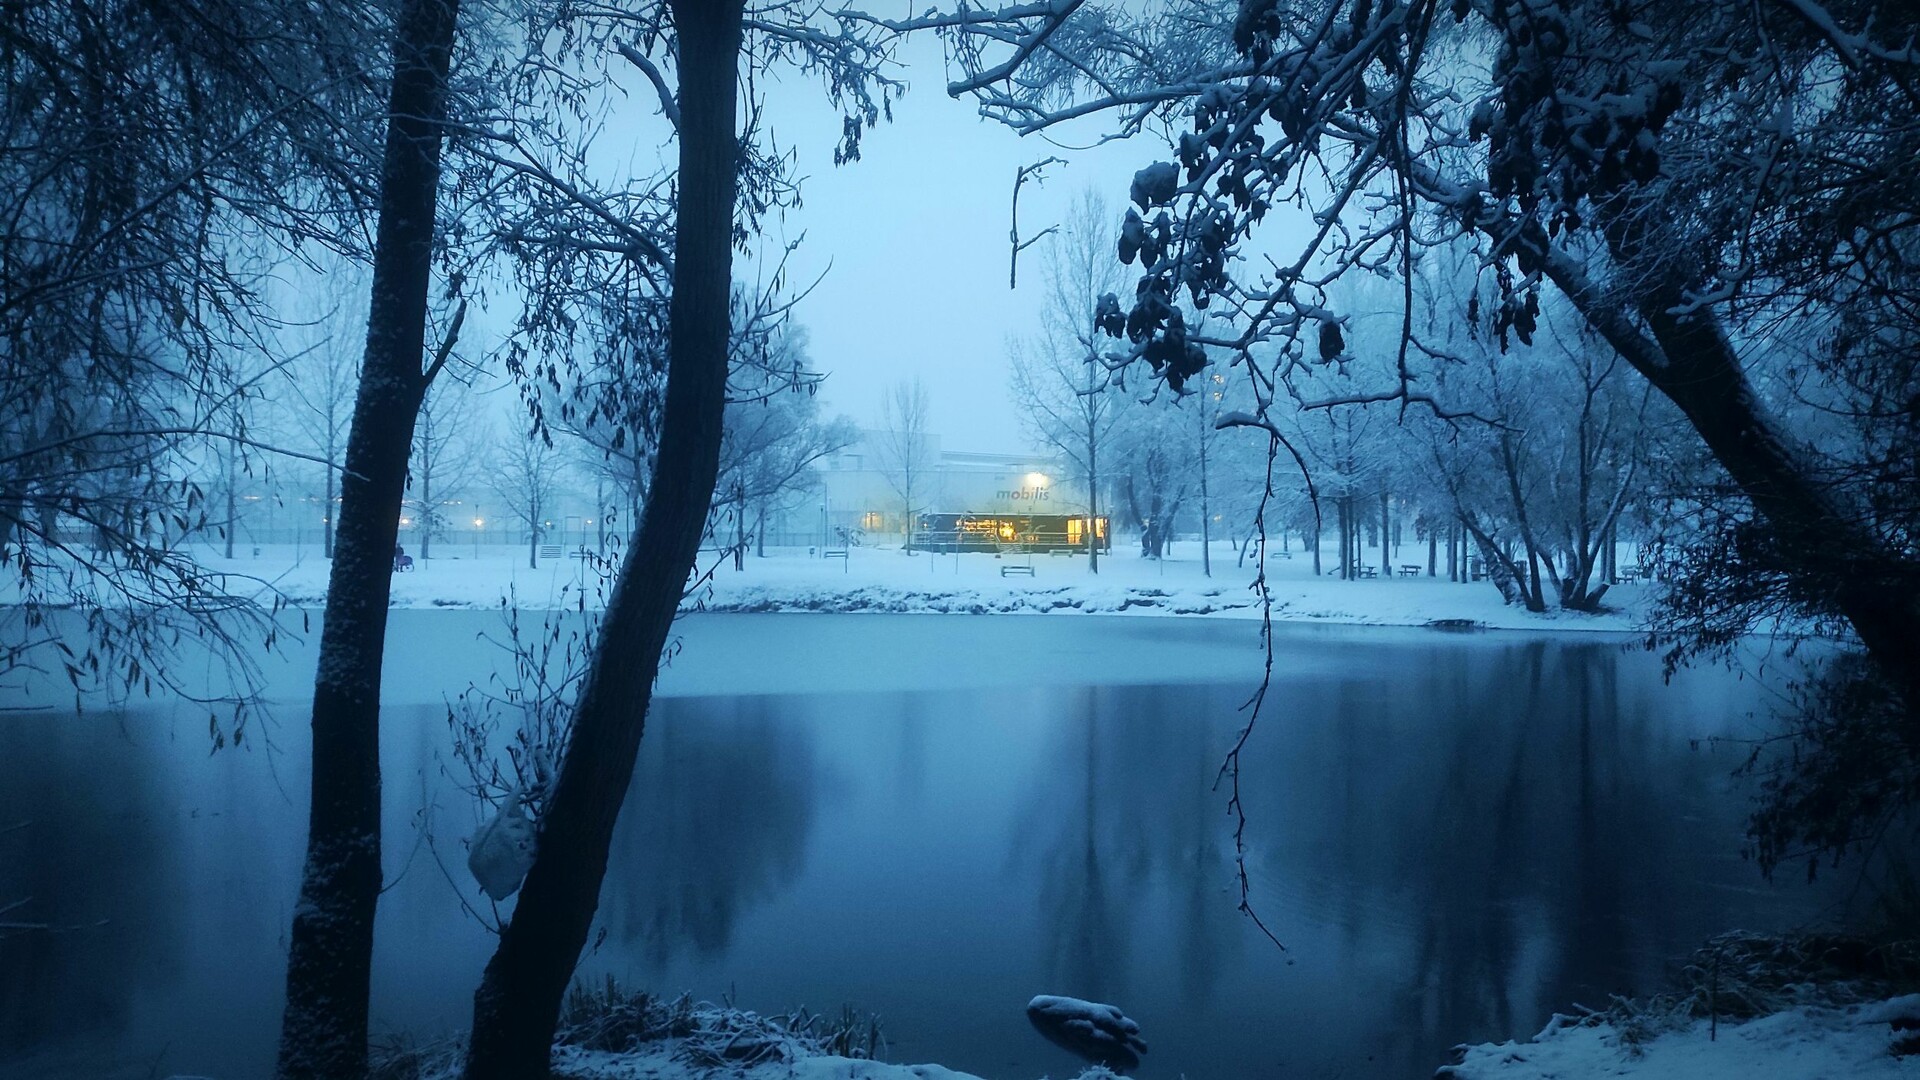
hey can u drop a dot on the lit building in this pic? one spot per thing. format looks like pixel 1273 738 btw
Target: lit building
pixel 859 491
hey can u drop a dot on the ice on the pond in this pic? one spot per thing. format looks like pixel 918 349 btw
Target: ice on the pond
pixel 1100 1033
pixel 501 853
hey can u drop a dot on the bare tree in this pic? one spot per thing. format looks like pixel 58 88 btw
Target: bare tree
pixel 322 379
pixel 904 448
pixel 527 476
pixel 148 156
pixel 446 455
pixel 1069 403
pixel 517 1005
pixel 330 949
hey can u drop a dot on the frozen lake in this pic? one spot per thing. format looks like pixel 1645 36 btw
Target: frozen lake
pixel 935 818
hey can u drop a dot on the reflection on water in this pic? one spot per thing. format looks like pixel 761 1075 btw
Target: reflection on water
pixel 717 822
pixel 1453 836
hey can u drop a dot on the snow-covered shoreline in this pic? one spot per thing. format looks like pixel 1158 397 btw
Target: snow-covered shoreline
pixel 1806 1042
pixel 891 581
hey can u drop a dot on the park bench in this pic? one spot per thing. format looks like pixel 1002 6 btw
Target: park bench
pixel 837 553
pixel 549 551
pixel 1409 570
pixel 1368 571
pixel 1015 568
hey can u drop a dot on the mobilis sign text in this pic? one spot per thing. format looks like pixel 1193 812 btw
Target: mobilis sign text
pixel 1025 494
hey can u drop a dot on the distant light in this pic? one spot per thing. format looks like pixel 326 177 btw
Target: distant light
pixel 477 522
pixel 1037 480
pixel 406 521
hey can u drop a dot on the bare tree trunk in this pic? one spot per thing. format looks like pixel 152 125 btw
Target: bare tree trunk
pixel 233 510
pixel 329 958
pixel 740 529
pixel 1386 535
pixel 1433 552
pixel 426 513
pixel 326 512
pixel 1346 544
pixel 1093 502
pixel 1206 520
pixel 518 1002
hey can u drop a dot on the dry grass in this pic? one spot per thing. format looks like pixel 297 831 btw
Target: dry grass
pixel 1739 976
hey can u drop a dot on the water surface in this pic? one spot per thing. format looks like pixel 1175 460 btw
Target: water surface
pixel 935 818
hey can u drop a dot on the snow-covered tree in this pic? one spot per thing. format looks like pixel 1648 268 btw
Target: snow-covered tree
pixel 1715 188
pixel 1155 469
pixel 774 436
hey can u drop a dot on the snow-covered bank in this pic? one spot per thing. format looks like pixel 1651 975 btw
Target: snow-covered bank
pixel 884 580
pixel 661 1063
pixel 1802 1043
pixel 610 1034
pixel 1798 1007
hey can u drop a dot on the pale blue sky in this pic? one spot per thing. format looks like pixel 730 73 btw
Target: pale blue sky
pixel 916 234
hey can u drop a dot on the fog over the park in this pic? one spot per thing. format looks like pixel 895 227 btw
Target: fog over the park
pixel 539 539
pixel 916 233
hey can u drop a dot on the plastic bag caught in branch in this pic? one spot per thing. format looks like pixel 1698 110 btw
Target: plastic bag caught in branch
pixel 501 853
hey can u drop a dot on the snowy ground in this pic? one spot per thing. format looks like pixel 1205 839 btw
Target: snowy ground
pixel 878 579
pixel 1807 1043
pixel 1804 1043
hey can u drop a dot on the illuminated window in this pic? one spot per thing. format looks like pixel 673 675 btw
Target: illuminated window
pixel 1075 527
pixel 1100 528
pixel 1006 530
pixel 871 520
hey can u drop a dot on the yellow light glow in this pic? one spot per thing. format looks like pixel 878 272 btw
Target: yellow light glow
pixel 477 522
pixel 1037 480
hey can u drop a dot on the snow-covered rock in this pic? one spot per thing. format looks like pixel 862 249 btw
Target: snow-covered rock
pixel 1101 1034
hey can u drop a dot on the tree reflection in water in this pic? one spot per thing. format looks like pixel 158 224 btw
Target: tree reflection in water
pixel 717 821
